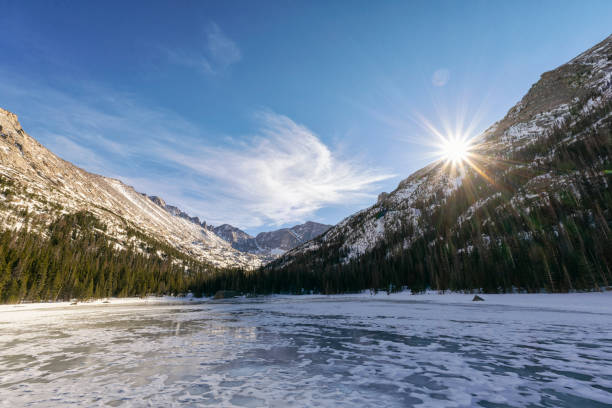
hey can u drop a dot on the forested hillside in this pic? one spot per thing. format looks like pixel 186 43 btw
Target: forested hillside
pixel 76 259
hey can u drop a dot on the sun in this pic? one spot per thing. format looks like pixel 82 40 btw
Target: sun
pixel 455 149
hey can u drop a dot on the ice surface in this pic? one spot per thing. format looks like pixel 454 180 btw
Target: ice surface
pixel 353 350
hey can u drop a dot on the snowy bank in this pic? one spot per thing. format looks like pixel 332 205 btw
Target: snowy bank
pixel 106 302
pixel 594 302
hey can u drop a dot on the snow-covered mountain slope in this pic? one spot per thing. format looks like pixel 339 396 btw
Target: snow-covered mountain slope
pixel 177 212
pixel 37 187
pixel 572 100
pixel 272 243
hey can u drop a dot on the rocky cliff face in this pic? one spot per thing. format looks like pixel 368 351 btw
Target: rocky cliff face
pixel 177 212
pixel 273 243
pixel 236 237
pixel 38 186
pixel 520 164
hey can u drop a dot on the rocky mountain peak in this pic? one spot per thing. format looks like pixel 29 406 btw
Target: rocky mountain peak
pixel 10 118
pixel 158 200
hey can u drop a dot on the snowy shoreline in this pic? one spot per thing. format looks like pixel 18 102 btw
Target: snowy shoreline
pixel 104 302
pixel 594 302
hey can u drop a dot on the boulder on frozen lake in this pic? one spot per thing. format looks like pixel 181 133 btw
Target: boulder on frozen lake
pixel 226 294
pixel 477 299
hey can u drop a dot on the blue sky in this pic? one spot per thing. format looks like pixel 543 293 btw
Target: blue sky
pixel 266 114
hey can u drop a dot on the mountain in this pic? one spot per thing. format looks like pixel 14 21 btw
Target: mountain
pixel 533 209
pixel 237 238
pixel 285 239
pixel 39 188
pixel 272 243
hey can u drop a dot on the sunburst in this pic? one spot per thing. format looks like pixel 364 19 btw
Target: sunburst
pixel 455 149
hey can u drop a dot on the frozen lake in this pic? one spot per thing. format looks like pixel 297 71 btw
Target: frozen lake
pixel 342 351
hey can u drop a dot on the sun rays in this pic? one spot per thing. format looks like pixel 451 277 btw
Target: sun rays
pixel 455 149
pixel 458 149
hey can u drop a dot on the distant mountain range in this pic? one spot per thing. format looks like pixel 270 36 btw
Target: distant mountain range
pixel 272 243
pixel 268 245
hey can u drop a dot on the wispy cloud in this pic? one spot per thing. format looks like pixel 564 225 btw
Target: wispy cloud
pixel 440 77
pixel 221 49
pixel 217 53
pixel 70 148
pixel 283 173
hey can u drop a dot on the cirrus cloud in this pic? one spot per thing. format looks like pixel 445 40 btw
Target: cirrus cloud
pixel 216 55
pixel 283 174
pixel 440 77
